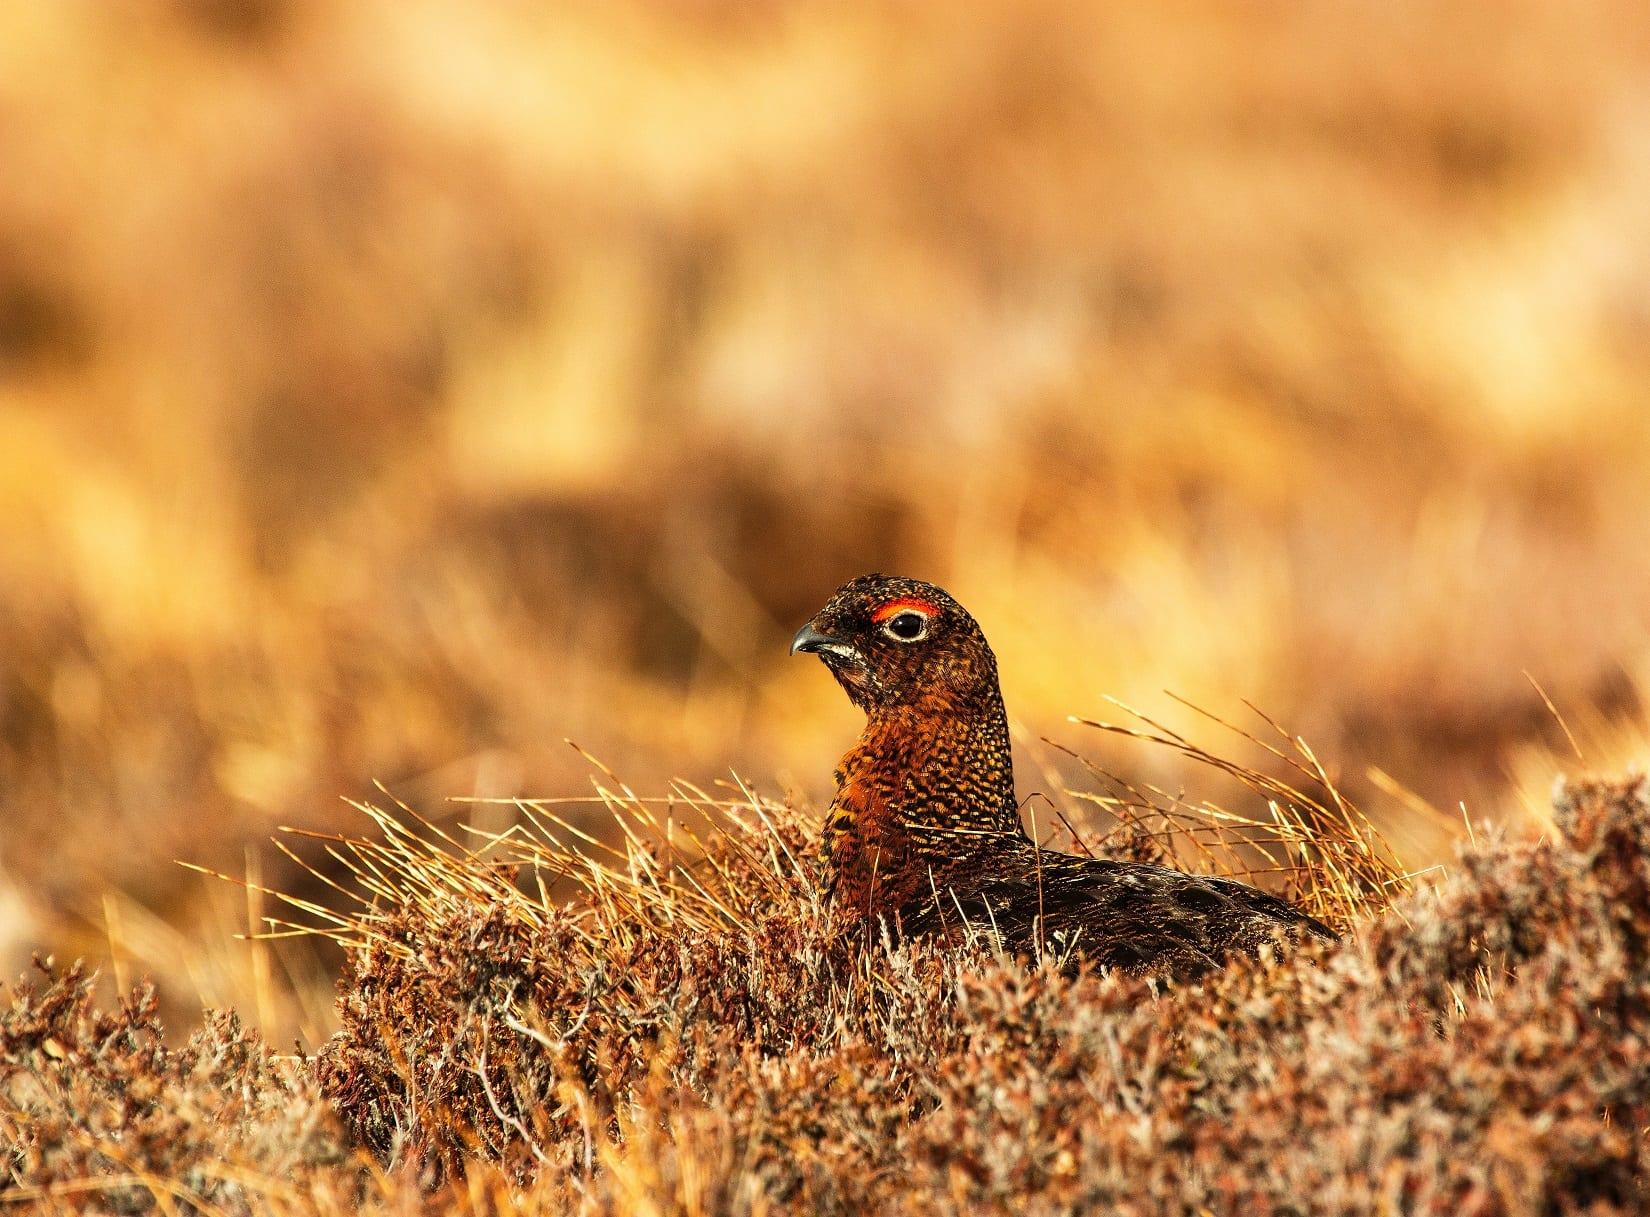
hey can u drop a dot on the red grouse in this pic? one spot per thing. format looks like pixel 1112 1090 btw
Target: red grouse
pixel 925 832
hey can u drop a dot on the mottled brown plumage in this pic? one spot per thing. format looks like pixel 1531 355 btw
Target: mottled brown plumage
pixel 925 833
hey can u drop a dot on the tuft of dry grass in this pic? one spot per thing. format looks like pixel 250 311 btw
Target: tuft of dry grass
pixel 1315 844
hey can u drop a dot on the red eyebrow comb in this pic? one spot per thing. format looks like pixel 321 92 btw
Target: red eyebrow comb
pixel 894 607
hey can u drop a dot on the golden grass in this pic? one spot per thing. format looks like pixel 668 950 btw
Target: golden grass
pixel 696 863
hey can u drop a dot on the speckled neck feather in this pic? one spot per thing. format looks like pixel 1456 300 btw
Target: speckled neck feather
pixel 915 797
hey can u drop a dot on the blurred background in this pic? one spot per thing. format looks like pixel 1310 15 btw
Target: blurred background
pixel 394 390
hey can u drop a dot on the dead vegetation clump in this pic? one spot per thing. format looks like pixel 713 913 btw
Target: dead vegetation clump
pixel 97 1114
pixel 482 1019
pixel 688 1036
pixel 1479 1048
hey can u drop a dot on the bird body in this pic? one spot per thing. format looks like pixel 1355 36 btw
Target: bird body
pixel 925 834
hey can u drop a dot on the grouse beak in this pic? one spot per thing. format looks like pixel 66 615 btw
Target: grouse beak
pixel 810 639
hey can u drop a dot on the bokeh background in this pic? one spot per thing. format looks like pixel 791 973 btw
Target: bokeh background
pixel 392 390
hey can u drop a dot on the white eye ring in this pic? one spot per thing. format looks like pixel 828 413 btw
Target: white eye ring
pixel 906 615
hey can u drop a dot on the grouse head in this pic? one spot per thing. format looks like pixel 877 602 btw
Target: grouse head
pixel 893 642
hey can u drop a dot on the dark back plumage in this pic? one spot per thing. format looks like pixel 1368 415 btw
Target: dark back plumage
pixel 925 833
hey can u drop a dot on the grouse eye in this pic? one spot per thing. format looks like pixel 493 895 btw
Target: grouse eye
pixel 907 626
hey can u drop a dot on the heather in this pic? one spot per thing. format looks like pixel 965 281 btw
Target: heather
pixel 689 1036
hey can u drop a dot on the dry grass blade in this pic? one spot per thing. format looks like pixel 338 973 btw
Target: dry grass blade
pixel 696 862
pixel 659 874
pixel 1334 860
